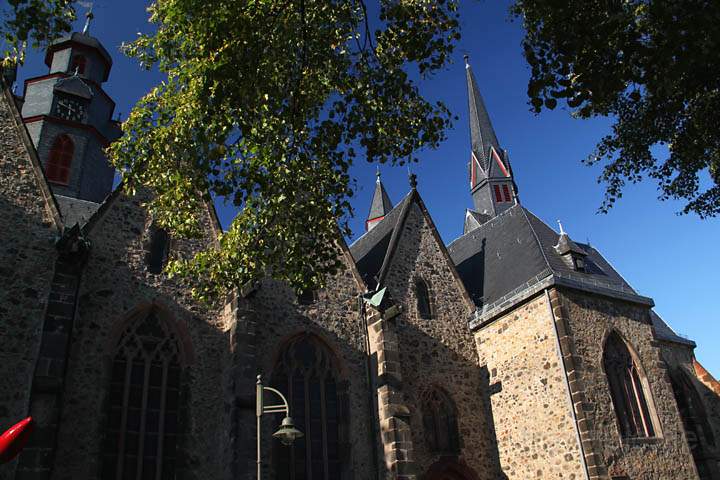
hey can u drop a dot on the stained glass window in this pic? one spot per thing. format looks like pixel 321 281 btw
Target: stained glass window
pixel 306 374
pixel 626 390
pixel 142 429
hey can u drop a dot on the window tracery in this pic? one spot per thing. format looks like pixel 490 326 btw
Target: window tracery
pixel 307 375
pixel 626 389
pixel 440 423
pixel 144 403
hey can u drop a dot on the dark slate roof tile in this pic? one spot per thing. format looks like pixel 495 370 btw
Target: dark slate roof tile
pixel 369 250
pixel 663 331
pixel 498 256
pixel 516 249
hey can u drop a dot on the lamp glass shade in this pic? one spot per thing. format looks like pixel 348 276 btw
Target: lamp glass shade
pixel 287 433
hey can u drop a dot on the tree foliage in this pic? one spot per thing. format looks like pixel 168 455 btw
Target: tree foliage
pixel 33 22
pixel 652 65
pixel 266 104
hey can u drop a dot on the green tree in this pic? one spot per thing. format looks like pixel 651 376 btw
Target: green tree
pixel 33 22
pixel 653 66
pixel 266 104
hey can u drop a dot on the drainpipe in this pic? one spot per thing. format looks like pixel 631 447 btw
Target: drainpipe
pixel 374 433
pixel 567 385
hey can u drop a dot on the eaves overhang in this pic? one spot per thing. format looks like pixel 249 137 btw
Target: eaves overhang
pixel 488 313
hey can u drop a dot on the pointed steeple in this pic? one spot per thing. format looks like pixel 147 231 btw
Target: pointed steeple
pixel 380 205
pixel 491 178
pixel 482 133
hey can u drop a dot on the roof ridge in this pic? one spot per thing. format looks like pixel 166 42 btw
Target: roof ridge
pixel 395 236
pixel 31 151
pixel 364 235
pixel 535 235
pixel 499 215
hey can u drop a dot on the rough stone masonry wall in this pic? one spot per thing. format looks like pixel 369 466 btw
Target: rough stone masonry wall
pixel 531 409
pixel 439 352
pixel 115 284
pixel 335 319
pixel 590 320
pixel 27 257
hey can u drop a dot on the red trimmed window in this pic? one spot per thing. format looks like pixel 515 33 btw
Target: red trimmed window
pixel 506 193
pixel 57 168
pixel 498 195
pixel 79 63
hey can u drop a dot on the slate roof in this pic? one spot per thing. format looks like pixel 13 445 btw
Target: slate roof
pixel 482 133
pixel 515 250
pixel 81 38
pixel 381 204
pixel 369 250
pixel 74 86
pixel 74 210
pixel 663 331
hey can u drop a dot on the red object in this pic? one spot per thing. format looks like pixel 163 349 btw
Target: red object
pixel 14 439
pixel 57 168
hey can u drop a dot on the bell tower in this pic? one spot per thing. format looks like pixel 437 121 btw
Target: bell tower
pixel 491 180
pixel 69 117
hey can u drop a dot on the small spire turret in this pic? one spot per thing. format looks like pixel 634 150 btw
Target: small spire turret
pixel 380 205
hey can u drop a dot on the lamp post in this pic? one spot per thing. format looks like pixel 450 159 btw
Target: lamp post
pixel 287 433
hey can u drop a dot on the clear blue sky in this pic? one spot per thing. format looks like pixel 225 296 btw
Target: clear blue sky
pixel 660 253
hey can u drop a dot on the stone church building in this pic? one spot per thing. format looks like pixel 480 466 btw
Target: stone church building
pixel 512 353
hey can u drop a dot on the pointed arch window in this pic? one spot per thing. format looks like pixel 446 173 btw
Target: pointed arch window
pixel 440 423
pixel 158 249
pixel 144 403
pixel 57 168
pixel 307 374
pixel 626 389
pixel 698 431
pixel 422 297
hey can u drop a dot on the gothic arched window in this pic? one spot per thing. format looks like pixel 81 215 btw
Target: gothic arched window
pixel 626 389
pixel 143 405
pixel 698 431
pixel 422 296
pixel 79 63
pixel 158 249
pixel 57 168
pixel 306 373
pixel 440 423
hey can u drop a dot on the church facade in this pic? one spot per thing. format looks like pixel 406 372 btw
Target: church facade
pixel 512 353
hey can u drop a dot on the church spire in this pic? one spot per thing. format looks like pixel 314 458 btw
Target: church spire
pixel 482 134
pixel 380 205
pixel 491 179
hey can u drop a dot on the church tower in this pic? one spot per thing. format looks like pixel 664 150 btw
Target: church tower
pixel 491 181
pixel 69 117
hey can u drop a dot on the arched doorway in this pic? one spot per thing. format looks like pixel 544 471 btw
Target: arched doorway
pixel 449 469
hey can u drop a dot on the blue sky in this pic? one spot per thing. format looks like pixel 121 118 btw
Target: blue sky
pixel 658 252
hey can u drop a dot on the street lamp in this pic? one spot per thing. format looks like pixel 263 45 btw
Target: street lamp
pixel 287 433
